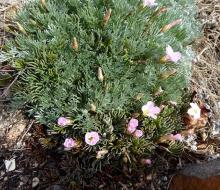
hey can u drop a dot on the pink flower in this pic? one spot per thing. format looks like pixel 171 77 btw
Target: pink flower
pixel 91 138
pixel 146 161
pixel 150 110
pixel 70 143
pixel 194 111
pixel 177 137
pixel 62 121
pixel 138 134
pixel 171 55
pixel 149 3
pixel 132 125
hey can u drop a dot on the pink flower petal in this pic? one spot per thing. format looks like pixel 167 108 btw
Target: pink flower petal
pixel 69 143
pixel 131 129
pixel 62 121
pixel 178 137
pixel 150 110
pixel 169 50
pixel 133 122
pixel 176 57
pixel 155 110
pixel 171 55
pixel 150 105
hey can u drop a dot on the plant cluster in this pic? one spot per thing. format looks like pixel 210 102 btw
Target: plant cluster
pixel 108 75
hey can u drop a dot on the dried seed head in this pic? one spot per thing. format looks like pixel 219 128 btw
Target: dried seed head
pixel 43 3
pixel 139 96
pixel 101 153
pixel 92 107
pixel 75 45
pixel 107 16
pixel 100 74
pixel 125 159
pixel 159 91
pixel 21 28
pixel 171 25
pixel 164 59
pixel 33 22
pixel 161 10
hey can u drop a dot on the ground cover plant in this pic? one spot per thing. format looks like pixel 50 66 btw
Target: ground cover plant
pixel 108 76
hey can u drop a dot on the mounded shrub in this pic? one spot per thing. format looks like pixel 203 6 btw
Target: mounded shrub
pixel 105 73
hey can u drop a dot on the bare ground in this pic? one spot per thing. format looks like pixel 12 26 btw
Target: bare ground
pixel 206 70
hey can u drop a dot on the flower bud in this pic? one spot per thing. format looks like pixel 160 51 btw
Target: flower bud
pixel 167 74
pixel 161 10
pixel 101 153
pixel 139 96
pixel 21 28
pixel 125 159
pixel 171 25
pixel 107 16
pixel 164 59
pixel 159 91
pixel 100 74
pixel 75 45
pixel 92 108
pixel 43 3
pixel 145 161
pixel 33 22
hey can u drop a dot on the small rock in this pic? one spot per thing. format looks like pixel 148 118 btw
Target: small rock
pixel 24 179
pixel 35 182
pixel 55 187
pixel 205 176
pixel 164 178
pixel 2 173
pixel 10 165
pixel 149 177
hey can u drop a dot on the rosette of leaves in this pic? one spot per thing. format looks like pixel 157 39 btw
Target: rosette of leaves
pixel 98 62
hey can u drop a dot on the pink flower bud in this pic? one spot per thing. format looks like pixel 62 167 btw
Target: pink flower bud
pixel 132 126
pixel 138 134
pixel 70 143
pixel 62 121
pixel 146 161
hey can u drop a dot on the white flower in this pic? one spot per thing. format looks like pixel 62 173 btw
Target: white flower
pixel 194 111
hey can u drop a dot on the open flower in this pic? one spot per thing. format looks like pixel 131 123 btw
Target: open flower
pixel 171 55
pixel 91 138
pixel 150 110
pixel 177 137
pixel 132 125
pixel 70 143
pixel 62 121
pixel 149 3
pixel 138 133
pixel 194 111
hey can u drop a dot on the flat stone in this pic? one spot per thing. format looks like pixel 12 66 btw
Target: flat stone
pixel 12 127
pixel 205 176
